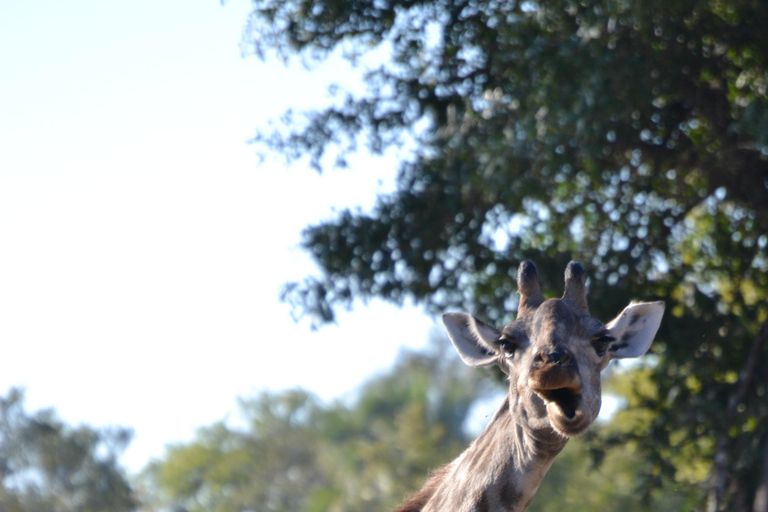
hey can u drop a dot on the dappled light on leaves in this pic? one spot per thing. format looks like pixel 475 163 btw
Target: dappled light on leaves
pixel 629 136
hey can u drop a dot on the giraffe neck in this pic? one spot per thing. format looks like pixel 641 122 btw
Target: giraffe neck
pixel 500 471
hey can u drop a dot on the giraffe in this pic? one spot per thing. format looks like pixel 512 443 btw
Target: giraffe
pixel 553 354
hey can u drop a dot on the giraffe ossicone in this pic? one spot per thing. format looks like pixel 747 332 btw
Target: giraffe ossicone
pixel 553 353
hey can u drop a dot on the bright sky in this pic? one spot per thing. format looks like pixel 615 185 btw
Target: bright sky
pixel 142 244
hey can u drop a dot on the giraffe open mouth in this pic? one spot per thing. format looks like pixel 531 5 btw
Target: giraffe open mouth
pixel 560 387
pixel 564 398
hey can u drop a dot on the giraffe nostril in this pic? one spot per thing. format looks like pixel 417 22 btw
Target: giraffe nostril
pixel 558 356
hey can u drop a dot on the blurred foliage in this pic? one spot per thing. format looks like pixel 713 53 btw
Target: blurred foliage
pixel 294 454
pixel 575 484
pixel 47 466
pixel 632 136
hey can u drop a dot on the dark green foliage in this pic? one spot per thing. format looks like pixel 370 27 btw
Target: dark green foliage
pixel 629 135
pixel 47 466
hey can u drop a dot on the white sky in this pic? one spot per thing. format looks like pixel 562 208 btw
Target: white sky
pixel 142 245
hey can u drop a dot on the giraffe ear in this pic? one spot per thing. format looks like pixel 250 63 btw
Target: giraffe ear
pixel 474 341
pixel 634 329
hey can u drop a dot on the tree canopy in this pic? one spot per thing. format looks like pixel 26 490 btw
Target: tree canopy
pixel 48 466
pixel 632 136
pixel 294 453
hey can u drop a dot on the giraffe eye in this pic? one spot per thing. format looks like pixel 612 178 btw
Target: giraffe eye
pixel 601 343
pixel 507 347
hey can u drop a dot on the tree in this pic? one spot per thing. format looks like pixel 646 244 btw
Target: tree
pixel 632 136
pixel 47 466
pixel 293 453
pixel 226 469
pixel 296 454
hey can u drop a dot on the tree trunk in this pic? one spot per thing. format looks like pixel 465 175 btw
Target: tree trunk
pixel 761 494
pixel 719 477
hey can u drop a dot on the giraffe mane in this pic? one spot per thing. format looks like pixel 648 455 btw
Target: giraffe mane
pixel 416 501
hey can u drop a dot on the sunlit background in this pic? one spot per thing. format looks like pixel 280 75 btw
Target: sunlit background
pixel 146 240
pixel 143 244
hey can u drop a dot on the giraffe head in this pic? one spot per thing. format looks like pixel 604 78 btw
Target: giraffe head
pixel 554 351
